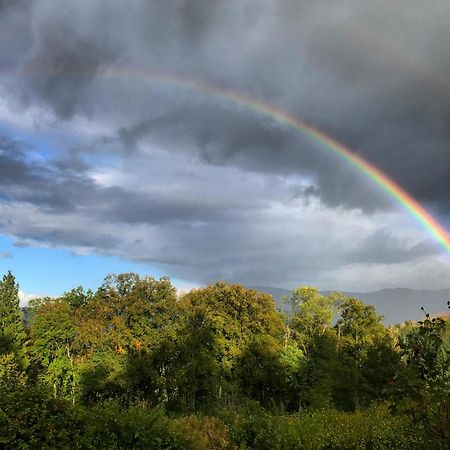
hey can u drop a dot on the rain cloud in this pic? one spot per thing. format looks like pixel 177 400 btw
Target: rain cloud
pixel 99 154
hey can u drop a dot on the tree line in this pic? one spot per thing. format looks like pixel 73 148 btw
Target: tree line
pixel 135 365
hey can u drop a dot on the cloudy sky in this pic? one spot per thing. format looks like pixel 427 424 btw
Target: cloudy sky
pixel 109 164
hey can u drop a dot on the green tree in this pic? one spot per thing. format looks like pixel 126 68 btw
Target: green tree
pixel 423 382
pixel 367 356
pixel 294 363
pixel 124 329
pixel 218 323
pixel 311 314
pixel 360 323
pixel 263 371
pixel 12 330
pixel 78 297
pixel 53 331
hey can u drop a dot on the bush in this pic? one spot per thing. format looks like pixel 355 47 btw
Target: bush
pixel 29 418
pixel 375 428
pixel 206 433
pixel 109 426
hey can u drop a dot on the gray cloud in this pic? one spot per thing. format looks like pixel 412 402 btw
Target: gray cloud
pixel 350 72
pixel 199 174
pixel 383 247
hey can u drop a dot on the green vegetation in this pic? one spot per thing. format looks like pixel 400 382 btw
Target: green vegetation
pixel 133 365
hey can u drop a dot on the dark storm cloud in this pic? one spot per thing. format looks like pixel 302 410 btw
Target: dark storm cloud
pixel 395 58
pixel 375 75
pixel 383 247
pixel 252 142
pixel 349 68
pixel 14 16
pixel 224 136
pixel 62 69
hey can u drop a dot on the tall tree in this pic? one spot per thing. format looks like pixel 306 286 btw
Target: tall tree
pixel 423 382
pixel 310 321
pixel 53 331
pixel 311 314
pixel 12 330
pixel 367 355
pixel 124 328
pixel 218 325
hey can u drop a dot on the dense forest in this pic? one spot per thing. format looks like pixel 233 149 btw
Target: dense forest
pixel 136 365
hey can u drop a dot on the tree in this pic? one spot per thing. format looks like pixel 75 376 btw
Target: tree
pixel 423 382
pixel 78 297
pixel 123 329
pixel 311 314
pixel 216 326
pixel 360 323
pixel 53 331
pixel 310 320
pixel 366 352
pixel 262 373
pixel 12 330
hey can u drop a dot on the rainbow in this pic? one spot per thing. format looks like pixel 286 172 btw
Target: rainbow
pixel 415 209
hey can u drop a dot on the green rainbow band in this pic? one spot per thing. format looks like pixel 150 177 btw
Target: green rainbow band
pixel 430 224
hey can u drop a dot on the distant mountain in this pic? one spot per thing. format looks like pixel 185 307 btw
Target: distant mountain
pixel 275 292
pixel 396 305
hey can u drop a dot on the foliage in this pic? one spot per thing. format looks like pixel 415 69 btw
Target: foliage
pixel 133 365
pixel 311 314
pixel 206 432
pixel 12 330
pixel 423 384
pixel 217 325
pixel 260 371
pixel 110 426
pixel 30 418
pixel 368 360
pixel 256 428
pixel 52 331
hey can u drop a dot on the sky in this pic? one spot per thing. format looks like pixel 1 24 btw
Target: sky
pixel 116 157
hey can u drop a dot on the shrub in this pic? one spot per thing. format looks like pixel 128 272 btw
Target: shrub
pixel 206 433
pixel 375 428
pixel 109 426
pixel 29 418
